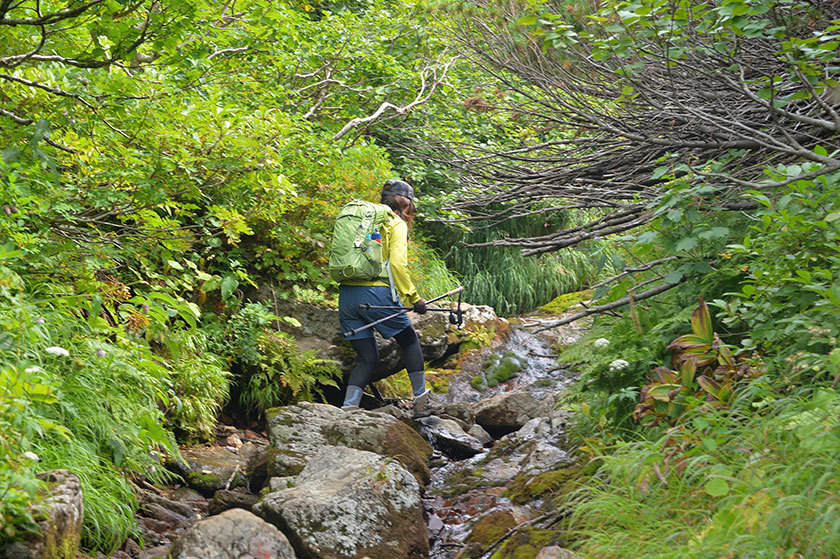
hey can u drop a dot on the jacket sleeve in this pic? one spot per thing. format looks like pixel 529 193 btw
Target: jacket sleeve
pixel 398 255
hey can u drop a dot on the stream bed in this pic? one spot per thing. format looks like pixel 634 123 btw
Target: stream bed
pixel 464 494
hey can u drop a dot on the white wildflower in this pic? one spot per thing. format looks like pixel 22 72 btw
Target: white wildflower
pixel 618 365
pixel 57 350
pixel 32 370
pixel 601 343
pixel 29 455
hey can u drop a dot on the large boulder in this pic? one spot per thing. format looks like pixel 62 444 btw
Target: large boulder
pixel 297 433
pixel 233 534
pixel 506 412
pixel 347 504
pixel 60 530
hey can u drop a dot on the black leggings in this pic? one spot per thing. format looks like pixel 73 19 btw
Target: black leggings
pixel 368 354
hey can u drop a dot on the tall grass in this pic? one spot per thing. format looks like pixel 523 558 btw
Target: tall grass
pixel 510 282
pixel 739 484
pixel 94 400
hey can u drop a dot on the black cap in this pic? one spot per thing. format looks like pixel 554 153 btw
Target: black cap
pixel 396 187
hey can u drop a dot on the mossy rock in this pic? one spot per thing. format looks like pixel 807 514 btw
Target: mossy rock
pixel 486 532
pixel 527 543
pixel 527 488
pixel 562 303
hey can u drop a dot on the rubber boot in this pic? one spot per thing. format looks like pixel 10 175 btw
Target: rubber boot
pixel 352 398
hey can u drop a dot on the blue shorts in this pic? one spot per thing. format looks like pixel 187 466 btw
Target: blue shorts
pixel 351 317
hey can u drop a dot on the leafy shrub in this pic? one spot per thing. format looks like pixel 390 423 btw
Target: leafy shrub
pixel 272 370
pixel 200 385
pixel 671 393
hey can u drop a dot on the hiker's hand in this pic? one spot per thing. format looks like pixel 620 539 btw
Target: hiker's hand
pixel 420 306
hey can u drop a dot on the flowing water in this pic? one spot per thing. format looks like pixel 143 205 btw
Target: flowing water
pixel 452 507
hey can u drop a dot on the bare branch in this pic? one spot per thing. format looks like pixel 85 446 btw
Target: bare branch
pixel 425 92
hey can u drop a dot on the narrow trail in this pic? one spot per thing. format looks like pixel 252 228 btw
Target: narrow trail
pixel 452 515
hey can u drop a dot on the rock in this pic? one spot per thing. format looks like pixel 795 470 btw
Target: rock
pixel 234 534
pixel 278 483
pixel 210 468
pixel 60 531
pixel 403 415
pixel 506 412
pixel 538 447
pixel 299 432
pixel 160 508
pixel 449 437
pixel 460 410
pixel 226 499
pixel 347 503
pixel 478 432
pixel 555 552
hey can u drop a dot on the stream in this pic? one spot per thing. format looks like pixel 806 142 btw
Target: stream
pixel 453 513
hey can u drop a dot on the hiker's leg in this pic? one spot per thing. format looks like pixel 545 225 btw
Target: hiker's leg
pixel 368 355
pixel 413 359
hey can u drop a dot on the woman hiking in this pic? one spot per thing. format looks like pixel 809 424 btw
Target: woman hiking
pixel 399 196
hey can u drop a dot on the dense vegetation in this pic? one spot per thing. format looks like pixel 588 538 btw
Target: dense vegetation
pixel 161 161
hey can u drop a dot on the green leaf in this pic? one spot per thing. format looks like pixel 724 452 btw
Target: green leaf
pixel 834 216
pixel 673 277
pixel 175 265
pixel 229 285
pixel 717 487
pixel 527 20
pixel 685 244
pixel 711 445
pixel 834 356
pixel 662 392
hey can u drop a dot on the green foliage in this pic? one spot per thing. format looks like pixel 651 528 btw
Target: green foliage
pixel 728 483
pixel 271 369
pixel 672 393
pixel 512 283
pixel 200 385
pixel 790 302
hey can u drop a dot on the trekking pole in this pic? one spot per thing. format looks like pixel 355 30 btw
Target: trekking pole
pixel 398 313
pixel 368 306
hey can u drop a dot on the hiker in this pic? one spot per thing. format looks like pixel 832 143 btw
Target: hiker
pixel 399 197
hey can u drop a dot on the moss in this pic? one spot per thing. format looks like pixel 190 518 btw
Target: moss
pixel 491 527
pixel 526 543
pixel 478 383
pixel 562 303
pixel 526 488
pixel 507 367
pixel 410 449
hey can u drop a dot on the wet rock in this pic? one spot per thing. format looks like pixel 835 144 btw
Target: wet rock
pixel 234 534
pixel 210 468
pixel 399 413
pixel 478 432
pixel 226 499
pixel 449 437
pixel 61 529
pixel 460 410
pixel 162 508
pixel 349 503
pixel 299 432
pixel 506 413
pixel 555 552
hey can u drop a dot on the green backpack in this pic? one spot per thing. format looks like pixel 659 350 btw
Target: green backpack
pixel 356 250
